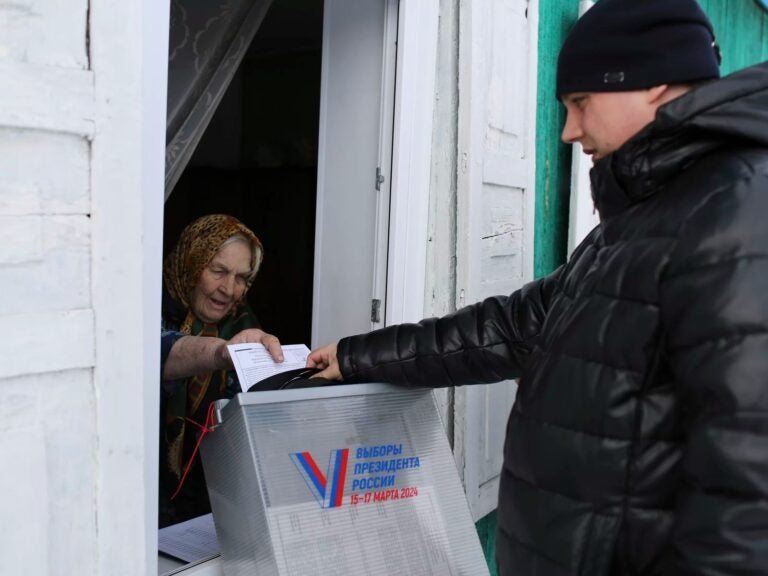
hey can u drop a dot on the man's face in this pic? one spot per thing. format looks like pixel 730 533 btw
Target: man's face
pixel 602 121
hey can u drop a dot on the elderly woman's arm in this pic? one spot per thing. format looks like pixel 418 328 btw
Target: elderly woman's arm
pixel 192 355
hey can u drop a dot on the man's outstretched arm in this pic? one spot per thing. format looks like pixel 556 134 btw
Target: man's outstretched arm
pixel 486 342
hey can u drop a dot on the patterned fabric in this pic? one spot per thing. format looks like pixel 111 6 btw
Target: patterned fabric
pixel 189 398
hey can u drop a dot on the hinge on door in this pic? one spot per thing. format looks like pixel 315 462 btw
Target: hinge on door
pixel 375 310
pixel 379 178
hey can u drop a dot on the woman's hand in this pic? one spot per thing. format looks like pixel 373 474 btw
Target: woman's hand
pixel 325 359
pixel 270 342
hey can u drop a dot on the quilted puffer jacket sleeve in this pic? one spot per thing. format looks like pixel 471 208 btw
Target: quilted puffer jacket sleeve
pixel 486 342
pixel 714 304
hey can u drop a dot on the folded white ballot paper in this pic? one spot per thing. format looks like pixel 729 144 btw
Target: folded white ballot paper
pixel 253 362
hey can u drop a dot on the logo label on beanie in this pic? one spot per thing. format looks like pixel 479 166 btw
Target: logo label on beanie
pixel 613 77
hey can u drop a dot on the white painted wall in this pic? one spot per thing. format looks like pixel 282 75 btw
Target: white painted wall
pixel 80 221
pixel 495 207
pixel 583 216
pixel 47 347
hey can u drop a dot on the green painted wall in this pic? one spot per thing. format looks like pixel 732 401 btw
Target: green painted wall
pixel 553 158
pixel 741 27
pixel 486 530
pixel 742 31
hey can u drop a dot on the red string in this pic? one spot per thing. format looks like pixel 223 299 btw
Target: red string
pixel 204 429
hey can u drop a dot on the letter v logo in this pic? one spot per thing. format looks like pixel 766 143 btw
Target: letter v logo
pixel 328 490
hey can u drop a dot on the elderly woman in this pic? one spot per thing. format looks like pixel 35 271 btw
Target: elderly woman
pixel 205 279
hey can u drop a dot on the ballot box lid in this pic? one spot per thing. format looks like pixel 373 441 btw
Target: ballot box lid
pixel 226 407
pixel 338 480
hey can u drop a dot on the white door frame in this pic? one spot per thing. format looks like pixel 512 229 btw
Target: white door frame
pixel 403 215
pixel 411 162
pixel 357 102
pixel 127 185
pixel 411 159
pixel 386 136
pixel 154 99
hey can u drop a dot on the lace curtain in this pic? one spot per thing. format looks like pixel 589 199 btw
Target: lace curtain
pixel 208 40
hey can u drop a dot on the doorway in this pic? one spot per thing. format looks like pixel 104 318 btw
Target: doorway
pixel 257 161
pixel 300 150
pixel 415 29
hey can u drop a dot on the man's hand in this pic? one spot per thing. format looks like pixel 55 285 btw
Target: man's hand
pixel 270 342
pixel 325 359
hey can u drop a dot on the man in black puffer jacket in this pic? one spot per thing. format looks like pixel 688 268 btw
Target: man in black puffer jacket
pixel 638 443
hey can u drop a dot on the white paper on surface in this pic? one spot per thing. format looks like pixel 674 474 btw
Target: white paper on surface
pixel 395 537
pixel 190 541
pixel 253 362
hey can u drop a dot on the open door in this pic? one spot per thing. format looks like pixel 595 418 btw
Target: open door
pixel 354 164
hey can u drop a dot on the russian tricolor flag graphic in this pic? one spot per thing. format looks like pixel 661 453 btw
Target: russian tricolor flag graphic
pixel 328 489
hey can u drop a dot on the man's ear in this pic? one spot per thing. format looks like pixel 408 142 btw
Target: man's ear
pixel 658 95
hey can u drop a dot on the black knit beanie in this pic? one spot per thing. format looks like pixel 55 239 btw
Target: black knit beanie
pixel 621 45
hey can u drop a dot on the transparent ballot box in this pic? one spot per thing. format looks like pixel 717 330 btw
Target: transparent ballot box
pixel 338 480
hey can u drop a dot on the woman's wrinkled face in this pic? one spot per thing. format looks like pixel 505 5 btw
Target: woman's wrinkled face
pixel 222 282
